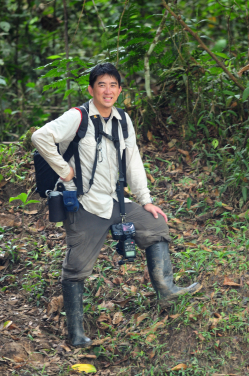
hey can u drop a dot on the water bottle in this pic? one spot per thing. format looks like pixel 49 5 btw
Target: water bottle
pixel 56 207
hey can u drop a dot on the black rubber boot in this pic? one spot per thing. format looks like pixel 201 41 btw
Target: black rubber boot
pixel 161 274
pixel 73 295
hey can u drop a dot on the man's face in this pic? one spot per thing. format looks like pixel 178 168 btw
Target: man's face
pixel 105 92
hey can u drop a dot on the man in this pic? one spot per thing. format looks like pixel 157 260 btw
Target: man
pixel 87 228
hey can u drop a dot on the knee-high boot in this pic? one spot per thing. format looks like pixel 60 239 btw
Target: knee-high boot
pixel 161 274
pixel 73 295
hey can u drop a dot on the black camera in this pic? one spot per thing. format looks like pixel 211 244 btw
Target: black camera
pixel 125 233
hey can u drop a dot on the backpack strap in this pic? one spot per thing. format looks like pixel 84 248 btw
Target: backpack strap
pixel 73 148
pixel 121 177
pixel 123 122
pixel 124 126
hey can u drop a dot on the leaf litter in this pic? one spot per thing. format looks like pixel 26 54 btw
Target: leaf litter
pixel 121 312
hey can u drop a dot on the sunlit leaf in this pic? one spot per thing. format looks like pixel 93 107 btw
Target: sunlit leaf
pixel 22 196
pixel 179 367
pixel 88 368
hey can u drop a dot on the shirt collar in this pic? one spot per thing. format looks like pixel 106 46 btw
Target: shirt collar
pixel 94 111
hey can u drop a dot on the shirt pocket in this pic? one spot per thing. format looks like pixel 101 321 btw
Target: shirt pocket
pixel 87 150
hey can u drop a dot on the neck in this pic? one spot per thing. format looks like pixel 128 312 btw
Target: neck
pixel 105 112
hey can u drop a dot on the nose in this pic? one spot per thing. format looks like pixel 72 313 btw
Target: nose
pixel 107 89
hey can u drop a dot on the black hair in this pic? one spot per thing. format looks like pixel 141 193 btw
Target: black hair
pixel 101 69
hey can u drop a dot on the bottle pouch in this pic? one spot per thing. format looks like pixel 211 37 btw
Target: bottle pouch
pixel 70 200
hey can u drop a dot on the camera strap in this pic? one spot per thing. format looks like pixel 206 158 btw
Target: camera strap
pixel 121 183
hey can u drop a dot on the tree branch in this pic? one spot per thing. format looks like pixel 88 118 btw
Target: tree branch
pixel 120 22
pixel 196 36
pixel 102 23
pixel 149 52
pixel 67 50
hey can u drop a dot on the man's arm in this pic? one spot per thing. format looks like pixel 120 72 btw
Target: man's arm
pixel 135 173
pixel 63 129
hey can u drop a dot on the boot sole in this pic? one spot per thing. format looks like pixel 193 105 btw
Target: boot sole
pixel 167 302
pixel 82 345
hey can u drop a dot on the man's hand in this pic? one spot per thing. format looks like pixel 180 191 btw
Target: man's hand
pixel 70 175
pixel 154 210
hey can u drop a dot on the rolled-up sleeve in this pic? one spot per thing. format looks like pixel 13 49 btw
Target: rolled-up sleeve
pixel 45 139
pixel 135 173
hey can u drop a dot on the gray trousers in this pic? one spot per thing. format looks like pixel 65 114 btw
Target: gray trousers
pixel 86 234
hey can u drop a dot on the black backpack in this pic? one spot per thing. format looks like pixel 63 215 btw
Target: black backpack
pixel 46 177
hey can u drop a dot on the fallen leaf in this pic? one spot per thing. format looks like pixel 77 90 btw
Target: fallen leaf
pixel 179 367
pixel 122 303
pixel 244 215
pixel 199 335
pixel 104 317
pixel 175 316
pixel 88 368
pixel 150 136
pixel 108 282
pixel 229 282
pixel 141 318
pixel 150 177
pixel 97 342
pixel 146 274
pixel 98 292
pixel 184 152
pixel 206 248
pixel 65 347
pixel 152 353
pixel 31 211
pixel 108 305
pixel 151 338
pixel 133 289
pixel 117 281
pixel 18 359
pixel 55 305
pixel 89 356
pixel 172 143
pixel 7 324
pixel 117 318
pixel 227 207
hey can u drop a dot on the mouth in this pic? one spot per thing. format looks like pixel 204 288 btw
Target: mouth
pixel 108 99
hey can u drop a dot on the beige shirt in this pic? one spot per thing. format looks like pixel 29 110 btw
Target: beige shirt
pixel 99 199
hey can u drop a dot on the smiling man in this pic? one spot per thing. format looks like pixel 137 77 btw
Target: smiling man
pixel 99 205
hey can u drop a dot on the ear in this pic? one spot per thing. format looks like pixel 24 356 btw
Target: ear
pixel 120 89
pixel 90 90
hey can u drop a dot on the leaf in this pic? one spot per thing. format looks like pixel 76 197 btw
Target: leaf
pixel 245 94
pixel 88 368
pixel 5 26
pixel 151 338
pixel 32 202
pixel 22 196
pixel 150 177
pixel 141 318
pixel 221 54
pixel 175 316
pixel 108 305
pixel 7 324
pixel 31 212
pixel 189 201
pixel 215 143
pixel 199 335
pixel 97 342
pixel 229 282
pixel 117 318
pixel 179 367
pixel 244 193
pixel 117 280
pixel 150 136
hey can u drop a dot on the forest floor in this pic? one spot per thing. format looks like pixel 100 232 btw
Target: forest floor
pixel 203 334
